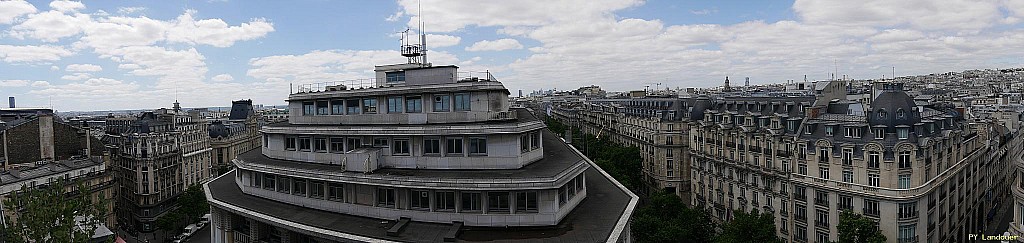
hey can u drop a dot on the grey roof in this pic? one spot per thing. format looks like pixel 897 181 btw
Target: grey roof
pixel 241 110
pixel 50 168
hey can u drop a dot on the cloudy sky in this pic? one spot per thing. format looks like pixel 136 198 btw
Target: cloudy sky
pixel 145 54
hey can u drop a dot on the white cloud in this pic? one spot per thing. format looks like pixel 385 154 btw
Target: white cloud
pixel 11 10
pixel 215 32
pixel 447 16
pixel 54 68
pixel 76 76
pixel 50 26
pixel 13 83
pixel 438 41
pixel 40 84
pixel 222 78
pixel 704 11
pixel 83 68
pixel 395 17
pixel 924 14
pixel 30 53
pixel 66 6
pixel 495 45
pixel 130 10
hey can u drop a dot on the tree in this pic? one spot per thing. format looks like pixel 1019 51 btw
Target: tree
pixel 854 227
pixel 169 222
pixel 48 214
pixel 749 227
pixel 192 203
pixel 665 219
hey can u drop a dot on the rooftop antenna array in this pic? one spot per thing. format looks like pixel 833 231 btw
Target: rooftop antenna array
pixel 415 52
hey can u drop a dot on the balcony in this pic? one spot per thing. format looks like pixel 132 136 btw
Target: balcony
pixel 799 197
pixel 871 212
pixel 912 239
pixel 821 202
pixel 503 115
pixel 821 224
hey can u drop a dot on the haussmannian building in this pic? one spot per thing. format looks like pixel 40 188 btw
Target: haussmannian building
pixel 421 153
pixel 236 135
pixel 156 156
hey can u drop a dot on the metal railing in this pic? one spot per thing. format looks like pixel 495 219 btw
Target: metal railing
pixel 336 85
pixel 503 115
pixel 473 76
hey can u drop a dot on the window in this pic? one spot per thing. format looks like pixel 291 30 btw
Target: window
pixel 395 104
pixel 419 199
pixel 524 143
pixel 873 160
pixel 413 104
pixel 289 143
pixel 386 197
pixel 478 146
pixel 462 102
pixel 498 202
pixel 872 179
pixel 870 207
pixel 268 182
pixel 526 202
pixel 900 114
pixel 470 201
pixel 824 172
pixel 801 169
pixel 853 132
pixel 308 109
pixel 845 203
pixel 400 147
pixel 338 107
pixel 904 181
pixel 847 156
pixel 335 192
pixel 442 103
pixel 352 106
pixel 822 237
pixel 337 145
pixel 907 234
pixel 316 189
pixel 801 233
pixel 320 144
pixel 907 210
pixel 881 114
pixel 256 180
pixel 321 108
pixel 823 155
pixel 821 197
pixel 394 77
pixel 879 133
pixel 283 185
pixel 299 187
pixel 848 176
pixel 828 131
pixel 380 142
pixel 370 106
pixel 454 147
pixel 903 133
pixel 304 144
pixel 432 146
pixel 444 201
pixel 535 140
pixel 904 160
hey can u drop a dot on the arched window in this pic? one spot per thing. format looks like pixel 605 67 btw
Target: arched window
pixel 900 114
pixel 881 114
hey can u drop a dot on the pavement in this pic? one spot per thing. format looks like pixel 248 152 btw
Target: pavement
pixel 1003 216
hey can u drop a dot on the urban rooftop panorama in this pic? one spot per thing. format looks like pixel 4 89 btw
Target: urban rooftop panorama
pixel 519 121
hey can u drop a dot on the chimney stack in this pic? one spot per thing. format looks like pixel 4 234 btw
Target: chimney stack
pixel 11 101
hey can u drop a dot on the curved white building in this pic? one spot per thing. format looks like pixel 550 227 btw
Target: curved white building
pixel 420 153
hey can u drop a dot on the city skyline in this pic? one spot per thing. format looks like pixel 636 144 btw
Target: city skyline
pixel 147 54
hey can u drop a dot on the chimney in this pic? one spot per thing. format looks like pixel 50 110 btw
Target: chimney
pixel 11 101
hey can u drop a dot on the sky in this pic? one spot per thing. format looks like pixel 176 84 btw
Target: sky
pixel 104 55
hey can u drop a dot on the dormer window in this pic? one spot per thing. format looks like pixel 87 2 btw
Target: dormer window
pixel 828 131
pixel 903 133
pixel 395 77
pixel 900 114
pixel 882 114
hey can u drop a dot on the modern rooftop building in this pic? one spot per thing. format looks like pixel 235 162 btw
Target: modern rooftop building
pixel 420 153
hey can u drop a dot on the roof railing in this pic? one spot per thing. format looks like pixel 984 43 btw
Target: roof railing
pixel 368 83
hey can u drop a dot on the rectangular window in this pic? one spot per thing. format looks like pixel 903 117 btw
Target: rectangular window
pixel 535 140
pixel 400 147
pixel 289 143
pixel 353 143
pixel 413 104
pixel 498 202
pixel 299 187
pixel 824 172
pixel 823 155
pixel 320 144
pixel 369 106
pixel 444 201
pixel 338 107
pixel 385 197
pixel 352 106
pixel 848 176
pixel 442 103
pixel 879 133
pixel 872 179
pixel 316 189
pixel 283 185
pixel 847 156
pixel 907 234
pixel 907 210
pixel 828 131
pixel 268 182
pixel 871 207
pixel 321 108
pixel 873 160
pixel 524 143
pixel 395 104
pixel 478 146
pixel 526 202
pixel 380 142
pixel 903 133
pixel 454 147
pixel 845 203
pixel 462 102
pixel 394 77
pixel 432 146
pixel 801 169
pixel 904 181
pixel 335 192
pixel 419 199
pixel 337 145
pixel 304 144
pixel 904 160
pixel 470 201
pixel 308 109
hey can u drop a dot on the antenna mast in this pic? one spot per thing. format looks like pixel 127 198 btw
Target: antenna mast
pixel 416 53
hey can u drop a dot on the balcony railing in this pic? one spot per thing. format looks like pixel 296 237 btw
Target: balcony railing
pixel 821 224
pixel 503 115
pixel 871 212
pixel 336 85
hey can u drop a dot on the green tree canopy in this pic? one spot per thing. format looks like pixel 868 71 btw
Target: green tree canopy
pixel 749 227
pixel 666 219
pixel 855 228
pixel 47 214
